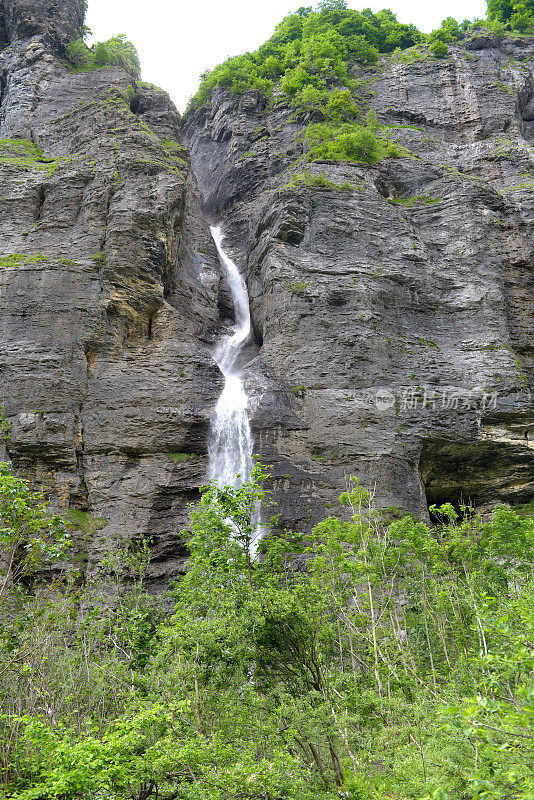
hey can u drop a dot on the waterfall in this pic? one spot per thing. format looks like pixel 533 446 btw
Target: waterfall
pixel 230 447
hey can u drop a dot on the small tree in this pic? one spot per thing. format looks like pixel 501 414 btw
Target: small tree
pixel 30 536
pixel 439 49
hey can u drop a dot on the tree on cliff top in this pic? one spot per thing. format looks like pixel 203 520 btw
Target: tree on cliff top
pixel 115 52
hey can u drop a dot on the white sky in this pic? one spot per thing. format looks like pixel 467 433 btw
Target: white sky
pixel 178 39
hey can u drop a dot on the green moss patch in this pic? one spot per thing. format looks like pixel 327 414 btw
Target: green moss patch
pixel 415 200
pixel 310 181
pixel 182 458
pixel 15 260
pixel 85 522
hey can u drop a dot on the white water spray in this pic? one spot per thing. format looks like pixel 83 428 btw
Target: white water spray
pixel 230 448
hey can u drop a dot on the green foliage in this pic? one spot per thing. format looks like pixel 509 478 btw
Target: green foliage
pixel 78 54
pixel 410 55
pixel 24 154
pixel 117 52
pixel 309 180
pixel 30 535
pixel 358 659
pixel 350 142
pixel 99 258
pixel 15 260
pixel 311 49
pixel 85 522
pixel 416 200
pixel 449 31
pixel 181 458
pixel 515 14
pixel 439 49
pixel 497 723
pixel 5 425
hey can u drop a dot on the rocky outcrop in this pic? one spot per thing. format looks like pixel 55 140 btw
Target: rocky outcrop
pixel 396 316
pixel 392 307
pixel 108 295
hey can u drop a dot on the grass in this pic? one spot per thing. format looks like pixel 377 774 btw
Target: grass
pixel 310 181
pixel 415 200
pixel 85 522
pixel 151 86
pixel 15 260
pixel 25 154
pixel 410 55
pixel 182 458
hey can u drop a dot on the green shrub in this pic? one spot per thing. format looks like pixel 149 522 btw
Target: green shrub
pixel 449 31
pixel 515 14
pixel 115 52
pixel 311 48
pixel 78 54
pixel 349 142
pixel 439 49
pixel 99 258
pixel 307 179
pixel 340 106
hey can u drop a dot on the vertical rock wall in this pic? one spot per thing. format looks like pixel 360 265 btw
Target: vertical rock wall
pixel 108 295
pixel 394 318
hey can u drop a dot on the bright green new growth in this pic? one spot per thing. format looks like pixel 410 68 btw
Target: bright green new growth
pixel 30 535
pixel 513 14
pixel 310 50
pixel 308 180
pixel 350 142
pixel 15 260
pixel 117 51
pixel 359 660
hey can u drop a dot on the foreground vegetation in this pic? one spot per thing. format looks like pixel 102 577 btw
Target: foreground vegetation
pixel 363 660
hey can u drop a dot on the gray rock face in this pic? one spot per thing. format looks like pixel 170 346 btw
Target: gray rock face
pixel 60 21
pixel 108 294
pixel 394 320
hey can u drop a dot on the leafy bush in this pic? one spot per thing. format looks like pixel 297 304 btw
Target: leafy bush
pixel 117 52
pixel 516 14
pixel 439 49
pixel 311 48
pixel 78 54
pixel 357 659
pixel 449 31
pixel 349 142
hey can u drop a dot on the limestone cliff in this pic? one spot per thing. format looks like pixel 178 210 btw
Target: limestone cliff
pixel 107 291
pixel 396 315
pixel 393 317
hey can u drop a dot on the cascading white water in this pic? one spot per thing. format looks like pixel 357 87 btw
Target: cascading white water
pixel 230 448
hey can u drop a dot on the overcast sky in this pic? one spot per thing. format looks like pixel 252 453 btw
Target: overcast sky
pixel 178 39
